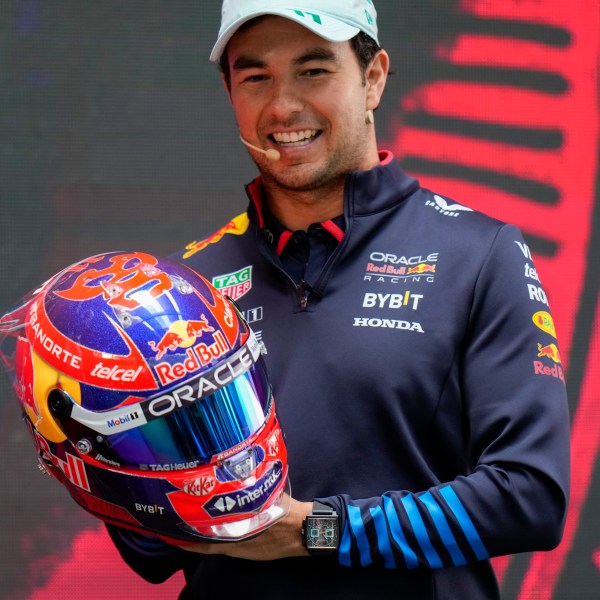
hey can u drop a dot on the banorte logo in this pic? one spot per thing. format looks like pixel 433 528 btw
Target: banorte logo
pixel 236 226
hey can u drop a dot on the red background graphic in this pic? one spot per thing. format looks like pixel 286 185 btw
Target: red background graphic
pixel 115 134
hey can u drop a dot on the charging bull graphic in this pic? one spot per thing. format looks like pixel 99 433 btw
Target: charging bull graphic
pixel 182 334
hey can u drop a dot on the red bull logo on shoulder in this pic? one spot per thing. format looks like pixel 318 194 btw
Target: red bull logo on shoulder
pixel 236 226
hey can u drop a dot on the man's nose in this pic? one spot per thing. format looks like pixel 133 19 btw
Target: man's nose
pixel 285 100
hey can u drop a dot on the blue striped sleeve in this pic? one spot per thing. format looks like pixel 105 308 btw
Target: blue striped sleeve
pixel 358 529
pixel 383 539
pixel 465 522
pixel 443 529
pixel 410 557
pixel 416 521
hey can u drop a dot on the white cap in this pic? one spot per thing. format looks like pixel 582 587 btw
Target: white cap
pixel 333 20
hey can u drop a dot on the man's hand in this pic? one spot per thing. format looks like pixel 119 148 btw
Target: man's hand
pixel 281 540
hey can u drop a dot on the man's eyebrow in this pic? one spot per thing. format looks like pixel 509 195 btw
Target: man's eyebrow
pixel 248 62
pixel 323 54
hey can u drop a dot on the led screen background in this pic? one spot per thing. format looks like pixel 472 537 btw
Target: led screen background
pixel 115 134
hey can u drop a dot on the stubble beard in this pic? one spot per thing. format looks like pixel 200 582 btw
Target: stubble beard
pixel 314 179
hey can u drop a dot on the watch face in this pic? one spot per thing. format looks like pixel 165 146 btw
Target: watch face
pixel 322 532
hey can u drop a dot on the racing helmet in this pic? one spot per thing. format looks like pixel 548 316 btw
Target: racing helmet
pixel 147 397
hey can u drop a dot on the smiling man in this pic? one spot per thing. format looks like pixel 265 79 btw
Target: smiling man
pixel 425 431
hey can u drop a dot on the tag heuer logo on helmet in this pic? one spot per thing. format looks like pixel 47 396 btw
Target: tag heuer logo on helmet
pixel 234 284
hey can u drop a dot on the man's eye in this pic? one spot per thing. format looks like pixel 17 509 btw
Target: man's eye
pixel 254 78
pixel 315 72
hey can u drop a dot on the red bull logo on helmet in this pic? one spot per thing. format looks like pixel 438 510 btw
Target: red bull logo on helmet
pixel 236 226
pixel 181 334
pixel 196 357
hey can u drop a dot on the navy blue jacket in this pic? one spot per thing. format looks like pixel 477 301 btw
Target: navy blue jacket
pixel 418 381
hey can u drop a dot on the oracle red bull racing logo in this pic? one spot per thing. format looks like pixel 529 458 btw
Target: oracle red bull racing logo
pixel 384 267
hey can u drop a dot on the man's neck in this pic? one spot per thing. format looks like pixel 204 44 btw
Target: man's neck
pixel 298 210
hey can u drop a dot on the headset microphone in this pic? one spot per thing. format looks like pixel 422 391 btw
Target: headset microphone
pixel 271 153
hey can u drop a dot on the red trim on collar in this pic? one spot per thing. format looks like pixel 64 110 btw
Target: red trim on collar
pixel 333 229
pixel 284 238
pixel 255 188
pixel 385 157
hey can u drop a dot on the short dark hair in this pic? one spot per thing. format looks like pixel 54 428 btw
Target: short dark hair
pixel 363 45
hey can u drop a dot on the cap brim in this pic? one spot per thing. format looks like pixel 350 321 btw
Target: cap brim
pixel 330 29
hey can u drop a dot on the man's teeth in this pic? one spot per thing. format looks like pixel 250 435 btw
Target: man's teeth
pixel 295 136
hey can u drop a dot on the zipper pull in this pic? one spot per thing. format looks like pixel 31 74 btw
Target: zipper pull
pixel 305 290
pixel 303 297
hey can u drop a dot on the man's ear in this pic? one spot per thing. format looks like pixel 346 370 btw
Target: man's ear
pixel 376 78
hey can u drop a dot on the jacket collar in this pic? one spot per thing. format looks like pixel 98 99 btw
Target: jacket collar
pixel 366 192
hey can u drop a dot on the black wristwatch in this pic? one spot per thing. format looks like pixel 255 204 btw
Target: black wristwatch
pixel 321 530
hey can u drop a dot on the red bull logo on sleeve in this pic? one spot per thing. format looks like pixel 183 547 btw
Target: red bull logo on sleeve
pixel 551 351
pixel 236 226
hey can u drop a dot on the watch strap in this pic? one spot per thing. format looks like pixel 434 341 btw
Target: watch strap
pixel 322 510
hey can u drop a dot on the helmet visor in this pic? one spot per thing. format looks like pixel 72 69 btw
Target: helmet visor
pixel 192 435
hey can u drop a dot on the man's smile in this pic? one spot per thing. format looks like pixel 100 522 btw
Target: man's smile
pixel 295 138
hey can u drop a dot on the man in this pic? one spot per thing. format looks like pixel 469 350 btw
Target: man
pixel 410 345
